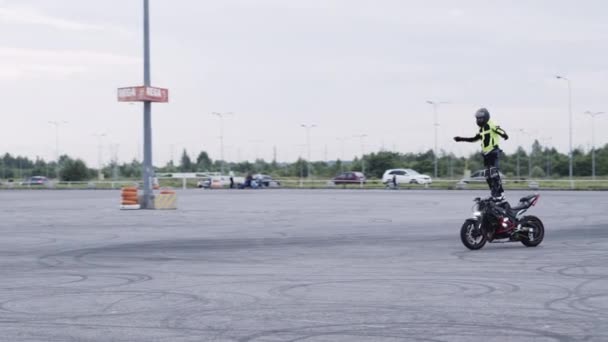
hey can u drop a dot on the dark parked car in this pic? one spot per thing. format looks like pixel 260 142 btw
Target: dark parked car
pixel 349 178
pixel 36 180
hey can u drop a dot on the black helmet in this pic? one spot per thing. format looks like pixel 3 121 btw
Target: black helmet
pixel 482 116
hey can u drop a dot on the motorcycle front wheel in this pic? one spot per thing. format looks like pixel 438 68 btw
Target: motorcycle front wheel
pixel 471 235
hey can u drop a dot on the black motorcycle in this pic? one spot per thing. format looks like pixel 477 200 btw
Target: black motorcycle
pixel 500 223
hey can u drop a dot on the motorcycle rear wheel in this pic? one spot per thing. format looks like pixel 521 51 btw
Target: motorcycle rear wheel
pixel 539 230
pixel 472 236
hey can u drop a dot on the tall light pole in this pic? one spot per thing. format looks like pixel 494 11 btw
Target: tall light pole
pixel 148 168
pixel 147 94
pixel 530 133
pixel 362 137
pixel 435 105
pixel 99 153
pixel 221 116
pixel 300 148
pixel 521 133
pixel 593 115
pixel 570 126
pixel 547 141
pixel 57 124
pixel 114 155
pixel 308 128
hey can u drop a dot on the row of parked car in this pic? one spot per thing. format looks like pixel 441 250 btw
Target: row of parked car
pixel 391 176
pixel 220 181
pixel 398 176
pixel 395 176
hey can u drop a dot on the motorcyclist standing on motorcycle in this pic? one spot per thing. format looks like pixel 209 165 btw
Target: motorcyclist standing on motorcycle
pixel 489 134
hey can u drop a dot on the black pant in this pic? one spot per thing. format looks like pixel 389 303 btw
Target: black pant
pixel 490 161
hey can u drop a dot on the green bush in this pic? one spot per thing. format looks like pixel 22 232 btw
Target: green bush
pixel 74 171
pixel 538 172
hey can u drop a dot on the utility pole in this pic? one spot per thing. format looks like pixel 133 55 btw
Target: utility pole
pixel 520 132
pixel 308 127
pixel 546 141
pixel 593 115
pixel 570 127
pixel 114 154
pixel 221 116
pixel 435 105
pixel 57 124
pixel 148 168
pixel 361 137
pixel 99 154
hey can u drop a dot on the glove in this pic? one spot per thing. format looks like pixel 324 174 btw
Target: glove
pixel 457 139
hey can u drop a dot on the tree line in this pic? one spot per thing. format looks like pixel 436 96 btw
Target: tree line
pixel 537 162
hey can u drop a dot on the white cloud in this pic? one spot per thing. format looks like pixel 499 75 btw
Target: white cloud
pixel 18 63
pixel 24 15
pixel 82 56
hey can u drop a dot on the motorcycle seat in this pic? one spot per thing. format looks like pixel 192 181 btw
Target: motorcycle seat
pixel 527 198
pixel 524 203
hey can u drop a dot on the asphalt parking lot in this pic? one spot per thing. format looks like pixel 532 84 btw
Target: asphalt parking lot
pixel 296 265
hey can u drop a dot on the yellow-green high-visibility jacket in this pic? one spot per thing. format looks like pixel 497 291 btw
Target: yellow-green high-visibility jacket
pixel 490 135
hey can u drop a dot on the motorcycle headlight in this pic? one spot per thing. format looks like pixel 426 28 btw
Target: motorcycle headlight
pixel 476 211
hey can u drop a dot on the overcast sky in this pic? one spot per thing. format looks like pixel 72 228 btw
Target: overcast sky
pixel 349 66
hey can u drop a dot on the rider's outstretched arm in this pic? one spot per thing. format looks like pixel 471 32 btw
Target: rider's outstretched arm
pixel 501 132
pixel 473 139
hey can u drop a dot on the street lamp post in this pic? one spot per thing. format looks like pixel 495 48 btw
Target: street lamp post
pixel 435 105
pixel 221 116
pixel 546 142
pixel 99 153
pixel 361 137
pixel 300 148
pixel 114 155
pixel 308 128
pixel 593 115
pixel 148 168
pixel 57 124
pixel 570 126
pixel 521 133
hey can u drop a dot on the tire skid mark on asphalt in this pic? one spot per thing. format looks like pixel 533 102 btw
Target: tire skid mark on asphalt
pixel 101 312
pixel 464 285
pixel 575 300
pixel 407 330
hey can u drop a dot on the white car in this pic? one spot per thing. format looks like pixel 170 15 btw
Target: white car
pixel 218 181
pixel 405 176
